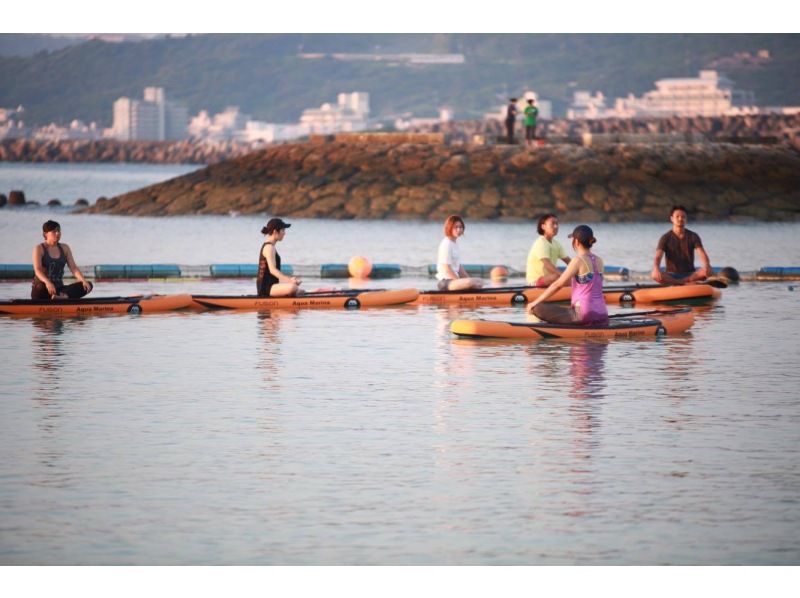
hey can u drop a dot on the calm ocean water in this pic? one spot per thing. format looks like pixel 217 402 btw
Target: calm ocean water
pixel 68 182
pixel 375 437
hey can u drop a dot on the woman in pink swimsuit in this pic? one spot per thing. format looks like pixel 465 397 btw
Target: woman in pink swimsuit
pixel 586 276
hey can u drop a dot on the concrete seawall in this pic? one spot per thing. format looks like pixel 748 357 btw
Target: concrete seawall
pixel 377 177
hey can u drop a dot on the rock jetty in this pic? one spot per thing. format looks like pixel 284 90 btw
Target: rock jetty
pixel 375 176
pixel 108 150
pixel 761 129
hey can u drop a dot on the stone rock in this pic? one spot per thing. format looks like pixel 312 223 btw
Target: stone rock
pixel 783 203
pixel 415 206
pixel 595 195
pixel 567 198
pixel 733 198
pixel 455 167
pixel 3 199
pixel 588 215
pixel 54 202
pixel 490 198
pixel 479 212
pixel 16 198
pixel 81 203
pixel 622 198
pixel 414 178
pixel 382 204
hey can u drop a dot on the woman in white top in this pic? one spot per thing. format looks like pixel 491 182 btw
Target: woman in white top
pixel 449 271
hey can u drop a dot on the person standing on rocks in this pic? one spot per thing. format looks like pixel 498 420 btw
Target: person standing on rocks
pixel 271 282
pixel 545 252
pixel 531 112
pixel 511 119
pixel 449 271
pixel 679 245
pixel 49 259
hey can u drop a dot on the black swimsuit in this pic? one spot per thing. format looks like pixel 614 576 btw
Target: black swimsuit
pixel 265 278
pixel 54 267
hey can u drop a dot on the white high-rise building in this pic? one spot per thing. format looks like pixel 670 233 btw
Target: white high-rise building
pixel 153 118
pixel 357 102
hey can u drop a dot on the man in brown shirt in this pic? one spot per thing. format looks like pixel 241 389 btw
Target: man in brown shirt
pixel 679 246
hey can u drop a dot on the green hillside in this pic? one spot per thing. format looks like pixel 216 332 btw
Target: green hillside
pixel 265 76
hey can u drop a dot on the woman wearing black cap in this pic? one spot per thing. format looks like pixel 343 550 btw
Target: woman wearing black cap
pixel 585 273
pixel 271 282
pixel 49 259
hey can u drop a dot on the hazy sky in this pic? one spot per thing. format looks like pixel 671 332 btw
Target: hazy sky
pixel 310 16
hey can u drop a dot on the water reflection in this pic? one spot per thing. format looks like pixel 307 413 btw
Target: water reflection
pixel 587 389
pixel 587 369
pixel 270 324
pixel 451 368
pixel 51 393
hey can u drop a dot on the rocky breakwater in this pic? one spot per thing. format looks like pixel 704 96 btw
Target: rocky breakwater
pixel 108 150
pixel 371 177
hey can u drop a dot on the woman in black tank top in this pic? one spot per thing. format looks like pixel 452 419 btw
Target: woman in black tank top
pixel 49 259
pixel 271 282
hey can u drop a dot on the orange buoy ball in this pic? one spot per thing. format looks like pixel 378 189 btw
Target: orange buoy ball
pixel 359 267
pixel 498 273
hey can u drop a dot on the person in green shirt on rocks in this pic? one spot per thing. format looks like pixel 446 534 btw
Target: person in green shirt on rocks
pixel 541 268
pixel 531 112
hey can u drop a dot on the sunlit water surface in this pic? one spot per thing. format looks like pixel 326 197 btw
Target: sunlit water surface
pixel 375 436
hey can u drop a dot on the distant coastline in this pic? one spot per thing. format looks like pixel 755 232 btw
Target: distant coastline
pixel 765 129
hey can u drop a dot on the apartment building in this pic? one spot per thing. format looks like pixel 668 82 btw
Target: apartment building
pixel 709 94
pixel 351 113
pixel 153 118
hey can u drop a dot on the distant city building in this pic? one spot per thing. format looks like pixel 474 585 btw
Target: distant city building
pixel 709 94
pixel 76 130
pixel 11 124
pixel 408 121
pixel 224 126
pixel 258 131
pixel 153 118
pixel 585 105
pixel 350 114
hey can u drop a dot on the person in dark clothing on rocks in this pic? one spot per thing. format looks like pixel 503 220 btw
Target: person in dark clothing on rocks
pixel 511 119
pixel 49 259
pixel 679 245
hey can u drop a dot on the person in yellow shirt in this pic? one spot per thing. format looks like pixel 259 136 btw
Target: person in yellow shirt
pixel 545 252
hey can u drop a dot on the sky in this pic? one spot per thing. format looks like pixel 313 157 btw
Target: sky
pixel 354 16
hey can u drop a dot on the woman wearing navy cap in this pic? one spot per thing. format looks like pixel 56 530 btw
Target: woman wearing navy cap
pixel 585 274
pixel 271 282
